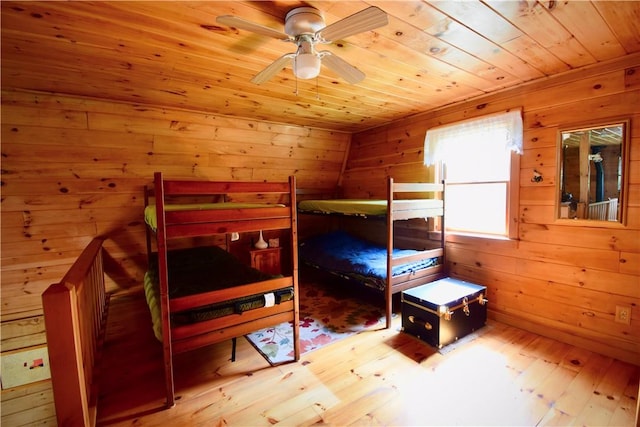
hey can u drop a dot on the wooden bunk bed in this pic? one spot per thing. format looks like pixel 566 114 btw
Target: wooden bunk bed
pixel 384 267
pixel 203 295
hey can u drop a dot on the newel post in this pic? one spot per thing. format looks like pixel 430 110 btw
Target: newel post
pixel 65 355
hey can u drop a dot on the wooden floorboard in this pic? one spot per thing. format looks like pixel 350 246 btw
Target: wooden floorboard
pixel 506 376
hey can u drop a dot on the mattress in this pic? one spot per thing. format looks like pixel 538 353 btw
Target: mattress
pixel 356 259
pixel 358 207
pixel 365 207
pixel 196 270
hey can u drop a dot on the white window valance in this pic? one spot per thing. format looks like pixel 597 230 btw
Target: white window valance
pixel 503 128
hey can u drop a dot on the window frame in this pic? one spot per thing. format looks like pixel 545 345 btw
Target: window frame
pixel 513 187
pixel 512 205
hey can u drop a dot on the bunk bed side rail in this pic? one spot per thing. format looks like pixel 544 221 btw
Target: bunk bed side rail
pixel 232 214
pixel 402 283
pixel 416 208
pixel 416 187
pixel 217 331
pixel 417 213
pixel 422 255
pixel 265 286
pixel 174 231
pixel 199 188
pixel 75 312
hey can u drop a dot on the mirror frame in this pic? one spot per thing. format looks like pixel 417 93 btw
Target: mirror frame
pixel 626 129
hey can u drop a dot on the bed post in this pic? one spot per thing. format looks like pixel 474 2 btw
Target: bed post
pixel 163 277
pixel 443 237
pixel 294 271
pixel 388 291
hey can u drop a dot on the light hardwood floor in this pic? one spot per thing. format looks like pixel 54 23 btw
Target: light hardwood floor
pixel 507 376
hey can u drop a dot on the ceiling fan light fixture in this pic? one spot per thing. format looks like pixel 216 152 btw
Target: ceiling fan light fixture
pixel 306 66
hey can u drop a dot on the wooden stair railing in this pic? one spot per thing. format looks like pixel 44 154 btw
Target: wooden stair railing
pixel 75 313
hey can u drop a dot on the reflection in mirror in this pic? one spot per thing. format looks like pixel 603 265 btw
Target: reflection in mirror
pixel 591 172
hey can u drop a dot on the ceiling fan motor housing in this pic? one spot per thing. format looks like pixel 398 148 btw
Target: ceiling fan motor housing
pixel 303 20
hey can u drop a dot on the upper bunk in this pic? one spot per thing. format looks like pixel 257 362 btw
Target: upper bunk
pixel 232 207
pixel 239 207
pixel 404 201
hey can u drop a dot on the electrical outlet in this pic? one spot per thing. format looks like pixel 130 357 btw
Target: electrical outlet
pixel 24 366
pixel 623 314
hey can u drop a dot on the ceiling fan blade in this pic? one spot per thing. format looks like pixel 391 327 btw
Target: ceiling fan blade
pixel 272 69
pixel 341 67
pixel 365 20
pixel 234 21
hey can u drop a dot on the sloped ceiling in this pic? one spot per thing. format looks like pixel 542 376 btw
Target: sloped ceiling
pixel 431 54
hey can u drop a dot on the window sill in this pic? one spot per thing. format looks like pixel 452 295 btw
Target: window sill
pixel 461 237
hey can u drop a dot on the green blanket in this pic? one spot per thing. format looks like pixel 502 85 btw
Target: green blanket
pixel 151 218
pixel 345 206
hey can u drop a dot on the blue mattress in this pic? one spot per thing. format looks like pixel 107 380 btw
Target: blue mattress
pixel 356 259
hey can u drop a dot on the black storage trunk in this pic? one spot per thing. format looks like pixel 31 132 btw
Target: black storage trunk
pixel 443 311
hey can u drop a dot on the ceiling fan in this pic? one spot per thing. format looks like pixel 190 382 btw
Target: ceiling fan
pixel 304 26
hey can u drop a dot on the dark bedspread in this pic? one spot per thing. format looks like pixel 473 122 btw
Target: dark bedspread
pixel 196 270
pixel 344 254
pixel 202 269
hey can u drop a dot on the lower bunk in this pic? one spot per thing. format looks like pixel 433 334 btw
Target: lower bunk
pixel 233 298
pixel 364 264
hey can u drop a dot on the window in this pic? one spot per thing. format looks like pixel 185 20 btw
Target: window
pixel 477 158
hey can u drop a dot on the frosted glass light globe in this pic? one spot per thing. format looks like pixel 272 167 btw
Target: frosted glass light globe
pixel 306 66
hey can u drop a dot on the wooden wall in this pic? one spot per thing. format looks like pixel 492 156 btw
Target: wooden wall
pixel 557 279
pixel 75 168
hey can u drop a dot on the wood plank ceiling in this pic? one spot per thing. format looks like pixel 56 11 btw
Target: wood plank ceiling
pixel 432 53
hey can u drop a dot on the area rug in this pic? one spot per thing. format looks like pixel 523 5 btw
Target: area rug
pixel 325 317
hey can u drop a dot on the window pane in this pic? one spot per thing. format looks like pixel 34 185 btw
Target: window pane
pixel 479 158
pixel 479 208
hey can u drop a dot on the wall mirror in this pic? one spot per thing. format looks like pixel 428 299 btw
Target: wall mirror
pixel 592 171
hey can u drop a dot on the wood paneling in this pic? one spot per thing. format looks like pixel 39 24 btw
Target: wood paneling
pixel 557 279
pixel 431 53
pixel 74 168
